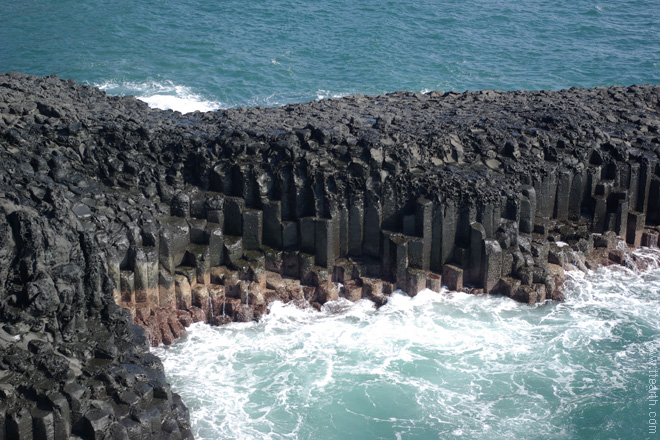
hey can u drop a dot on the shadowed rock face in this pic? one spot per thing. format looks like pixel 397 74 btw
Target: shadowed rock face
pixel 211 216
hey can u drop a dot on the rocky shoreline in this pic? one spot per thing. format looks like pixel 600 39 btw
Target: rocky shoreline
pixel 112 213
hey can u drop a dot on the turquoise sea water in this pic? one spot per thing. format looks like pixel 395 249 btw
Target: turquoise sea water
pixel 440 365
pixel 194 54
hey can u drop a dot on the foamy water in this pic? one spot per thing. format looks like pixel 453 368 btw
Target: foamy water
pixel 164 95
pixel 439 365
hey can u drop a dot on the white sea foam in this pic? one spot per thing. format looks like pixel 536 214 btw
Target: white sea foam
pixel 164 95
pixel 325 94
pixel 439 365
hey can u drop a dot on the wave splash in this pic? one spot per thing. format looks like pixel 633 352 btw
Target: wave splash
pixel 164 95
pixel 439 365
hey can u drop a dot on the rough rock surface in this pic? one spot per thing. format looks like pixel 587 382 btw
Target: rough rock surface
pixel 210 216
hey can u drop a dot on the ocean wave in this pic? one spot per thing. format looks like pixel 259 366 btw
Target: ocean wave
pixel 437 365
pixel 326 94
pixel 164 95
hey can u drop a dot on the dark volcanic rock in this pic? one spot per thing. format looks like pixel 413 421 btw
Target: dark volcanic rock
pixel 209 216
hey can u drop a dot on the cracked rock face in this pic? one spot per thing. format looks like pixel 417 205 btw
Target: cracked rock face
pixel 112 213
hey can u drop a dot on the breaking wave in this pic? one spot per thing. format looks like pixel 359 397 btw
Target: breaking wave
pixel 439 365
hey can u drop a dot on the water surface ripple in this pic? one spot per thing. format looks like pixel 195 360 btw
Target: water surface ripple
pixel 439 365
pixel 230 53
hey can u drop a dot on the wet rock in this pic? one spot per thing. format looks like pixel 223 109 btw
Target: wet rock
pixel 243 314
pixel 352 291
pixel 452 277
pixel 416 281
pixel 325 292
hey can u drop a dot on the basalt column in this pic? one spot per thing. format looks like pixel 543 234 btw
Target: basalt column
pixel 212 216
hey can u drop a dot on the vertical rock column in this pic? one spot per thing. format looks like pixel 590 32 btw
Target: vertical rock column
pixel 546 191
pixel 174 237
pixel 492 265
pixel 476 263
pixel 141 271
pixel 355 225
pixel 621 216
pixel 326 241
pixel 394 258
pixel 449 220
pixel 308 227
pixel 166 290
pixel 173 240
pixel 576 194
pixel 645 175
pixel 234 208
pixel 527 209
pixel 372 227
pixel 127 287
pixel 653 209
pixel 153 297
pixel 488 214
pixel 424 229
pixel 252 229
pixel 114 272
pixel 563 195
pixel 343 231
pixel 272 235
pixel 635 228
pixel 436 243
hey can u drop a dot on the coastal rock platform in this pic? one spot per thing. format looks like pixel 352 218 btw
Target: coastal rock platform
pixel 114 214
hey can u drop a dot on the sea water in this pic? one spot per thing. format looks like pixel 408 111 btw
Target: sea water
pixel 439 365
pixel 200 55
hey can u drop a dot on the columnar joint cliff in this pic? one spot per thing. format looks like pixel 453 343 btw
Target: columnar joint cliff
pixel 112 213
